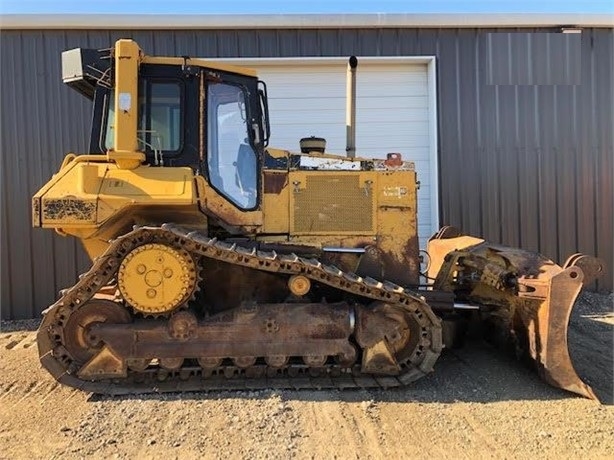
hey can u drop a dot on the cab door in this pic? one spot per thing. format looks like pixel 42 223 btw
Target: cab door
pixel 231 187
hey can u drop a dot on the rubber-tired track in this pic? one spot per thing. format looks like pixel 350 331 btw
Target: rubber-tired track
pixel 57 360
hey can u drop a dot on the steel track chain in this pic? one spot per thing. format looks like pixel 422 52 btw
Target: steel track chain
pixel 57 360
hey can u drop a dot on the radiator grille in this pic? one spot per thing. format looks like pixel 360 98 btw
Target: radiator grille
pixel 333 203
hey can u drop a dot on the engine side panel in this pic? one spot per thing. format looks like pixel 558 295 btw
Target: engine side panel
pixel 377 207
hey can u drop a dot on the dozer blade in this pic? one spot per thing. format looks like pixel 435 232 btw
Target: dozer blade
pixel 546 329
pixel 524 298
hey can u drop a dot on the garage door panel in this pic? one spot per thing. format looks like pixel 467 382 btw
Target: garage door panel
pixel 306 81
pixel 422 166
pixel 391 69
pixel 305 90
pixel 396 116
pixel 392 102
pixel 391 90
pixel 292 138
pixel 297 92
pixel 299 69
pixel 335 144
pixel 424 214
pixel 303 86
pixel 407 135
pixel 400 129
pixel 303 118
pixel 395 142
pixel 396 119
pixel 311 105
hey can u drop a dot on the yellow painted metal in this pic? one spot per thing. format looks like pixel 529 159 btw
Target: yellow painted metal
pixel 333 202
pixel 94 200
pixel 275 202
pixel 85 194
pixel 95 245
pixel 69 162
pixel 125 152
pixel 275 197
pixel 397 226
pixel 67 159
pixel 214 65
pixel 155 278
pixel 218 206
pixel 277 153
pixel 299 285
pixel 439 248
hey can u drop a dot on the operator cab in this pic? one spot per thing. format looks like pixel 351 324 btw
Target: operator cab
pixel 208 116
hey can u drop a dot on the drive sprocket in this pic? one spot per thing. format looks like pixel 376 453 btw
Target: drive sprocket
pixel 156 278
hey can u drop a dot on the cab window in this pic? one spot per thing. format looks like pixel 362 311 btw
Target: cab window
pixel 231 160
pixel 159 117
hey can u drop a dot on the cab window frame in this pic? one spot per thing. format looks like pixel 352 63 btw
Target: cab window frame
pixel 144 88
pixel 250 116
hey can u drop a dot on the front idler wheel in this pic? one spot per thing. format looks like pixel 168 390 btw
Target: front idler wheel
pixel 79 340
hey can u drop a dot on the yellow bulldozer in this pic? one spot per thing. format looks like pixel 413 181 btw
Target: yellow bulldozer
pixel 219 262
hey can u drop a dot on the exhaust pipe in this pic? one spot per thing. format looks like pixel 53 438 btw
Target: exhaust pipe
pixel 350 108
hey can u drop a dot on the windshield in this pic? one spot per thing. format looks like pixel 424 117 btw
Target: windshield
pixel 231 161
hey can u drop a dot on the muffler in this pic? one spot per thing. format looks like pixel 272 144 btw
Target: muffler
pixel 350 108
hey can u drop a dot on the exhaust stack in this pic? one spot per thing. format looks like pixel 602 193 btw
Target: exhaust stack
pixel 350 108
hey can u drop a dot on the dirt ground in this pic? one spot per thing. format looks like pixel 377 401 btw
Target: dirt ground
pixel 478 404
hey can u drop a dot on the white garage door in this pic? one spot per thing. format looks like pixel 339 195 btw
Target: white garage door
pixel 394 106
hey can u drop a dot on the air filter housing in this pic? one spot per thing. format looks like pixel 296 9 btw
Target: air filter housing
pixel 313 144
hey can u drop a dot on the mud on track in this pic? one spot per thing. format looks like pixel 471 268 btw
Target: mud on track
pixel 477 404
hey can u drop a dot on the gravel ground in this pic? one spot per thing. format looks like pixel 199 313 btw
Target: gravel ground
pixel 478 404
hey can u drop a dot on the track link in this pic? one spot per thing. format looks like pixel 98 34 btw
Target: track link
pixel 57 360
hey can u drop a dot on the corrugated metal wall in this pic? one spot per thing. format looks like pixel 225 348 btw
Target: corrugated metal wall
pixel 521 164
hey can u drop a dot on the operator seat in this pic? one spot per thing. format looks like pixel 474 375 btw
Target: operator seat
pixel 247 173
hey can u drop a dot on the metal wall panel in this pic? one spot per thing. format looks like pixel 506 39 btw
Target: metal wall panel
pixel 517 58
pixel 520 164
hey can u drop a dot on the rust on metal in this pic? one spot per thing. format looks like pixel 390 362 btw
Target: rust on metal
pixel 267 331
pixel 79 340
pixel 546 330
pixel 401 268
pixel 592 267
pixel 299 285
pixel 129 351
pixel 105 364
pixel 182 326
pixel 393 160
pixel 274 182
pixel 533 295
